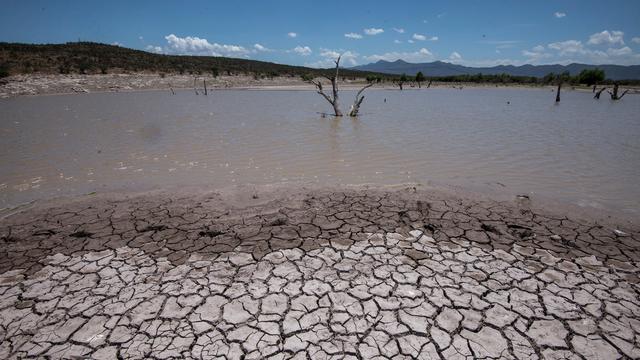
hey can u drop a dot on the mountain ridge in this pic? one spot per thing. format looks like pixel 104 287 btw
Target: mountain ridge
pixel 442 68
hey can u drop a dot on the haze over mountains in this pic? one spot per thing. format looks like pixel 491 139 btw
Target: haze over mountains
pixel 440 68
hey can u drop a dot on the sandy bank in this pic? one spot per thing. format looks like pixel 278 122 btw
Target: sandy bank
pixel 35 84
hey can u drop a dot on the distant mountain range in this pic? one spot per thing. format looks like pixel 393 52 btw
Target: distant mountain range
pixel 440 68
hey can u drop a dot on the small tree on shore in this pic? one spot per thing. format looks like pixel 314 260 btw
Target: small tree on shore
pixel 420 78
pixel 591 76
pixel 403 79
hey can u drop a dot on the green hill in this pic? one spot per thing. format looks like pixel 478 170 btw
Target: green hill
pixel 95 58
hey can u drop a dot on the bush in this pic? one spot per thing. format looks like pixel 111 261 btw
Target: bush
pixel 4 71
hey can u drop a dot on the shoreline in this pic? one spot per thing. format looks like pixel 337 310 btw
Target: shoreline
pixel 48 84
pixel 310 270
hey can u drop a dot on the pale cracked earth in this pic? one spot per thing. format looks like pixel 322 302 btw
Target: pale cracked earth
pixel 323 274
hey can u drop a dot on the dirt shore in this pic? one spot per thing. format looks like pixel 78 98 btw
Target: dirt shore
pixel 276 272
pixel 42 84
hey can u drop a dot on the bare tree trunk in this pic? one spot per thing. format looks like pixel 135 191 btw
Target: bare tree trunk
pixel 400 83
pixel 614 95
pixel 429 85
pixel 355 108
pixel 558 91
pixel 594 88
pixel 204 82
pixel 419 86
pixel 172 92
pixel 333 100
pixel 597 95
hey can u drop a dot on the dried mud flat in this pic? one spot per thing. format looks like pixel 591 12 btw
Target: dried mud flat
pixel 322 273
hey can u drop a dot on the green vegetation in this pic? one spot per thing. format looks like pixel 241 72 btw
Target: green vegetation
pixel 420 78
pixel 591 77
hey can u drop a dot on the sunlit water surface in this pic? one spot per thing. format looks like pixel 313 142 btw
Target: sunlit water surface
pixel 581 151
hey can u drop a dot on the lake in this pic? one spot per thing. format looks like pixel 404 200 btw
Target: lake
pixel 582 151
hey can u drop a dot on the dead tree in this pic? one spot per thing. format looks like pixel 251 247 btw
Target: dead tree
pixel 614 94
pixel 333 100
pixel 171 88
pixel 558 91
pixel 204 82
pixel 429 85
pixel 597 95
pixel 355 108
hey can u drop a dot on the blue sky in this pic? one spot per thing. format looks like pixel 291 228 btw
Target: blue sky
pixel 476 33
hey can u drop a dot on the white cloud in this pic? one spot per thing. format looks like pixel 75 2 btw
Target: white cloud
pixel 329 56
pixel 115 43
pixel 636 40
pixel 196 46
pixel 397 41
pixel 455 56
pixel 353 36
pixel 606 37
pixel 421 37
pixel 140 38
pixel 421 55
pixel 260 47
pixel 440 16
pixel 373 31
pixel 399 30
pixel 559 14
pixel 302 50
pixel 536 54
pixel 619 52
pixel 292 35
pixel 568 47
pixel 154 49
pixel 410 41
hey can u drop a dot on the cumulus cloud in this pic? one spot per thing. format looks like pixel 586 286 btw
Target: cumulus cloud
pixel 455 56
pixel 292 35
pixel 262 48
pixel 417 56
pixel 568 47
pixel 635 40
pixel 619 52
pixel 373 31
pixel 399 30
pixel 559 14
pixel 536 54
pixel 154 49
pixel 607 37
pixel 421 37
pixel 353 36
pixel 397 41
pixel 197 46
pixel 328 57
pixel 302 50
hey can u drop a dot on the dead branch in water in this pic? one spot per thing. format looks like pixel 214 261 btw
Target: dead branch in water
pixel 204 82
pixel 172 92
pixel 597 95
pixel 334 84
pixel 355 108
pixel 614 94
pixel 558 91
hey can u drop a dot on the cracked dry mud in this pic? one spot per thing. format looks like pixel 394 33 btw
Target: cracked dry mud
pixel 319 274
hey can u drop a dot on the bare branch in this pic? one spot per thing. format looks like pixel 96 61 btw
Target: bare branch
pixel 355 108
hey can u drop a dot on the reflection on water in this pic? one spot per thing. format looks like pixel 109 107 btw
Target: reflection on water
pixel 581 151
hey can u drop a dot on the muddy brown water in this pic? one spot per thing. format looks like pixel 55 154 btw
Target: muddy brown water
pixel 582 151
